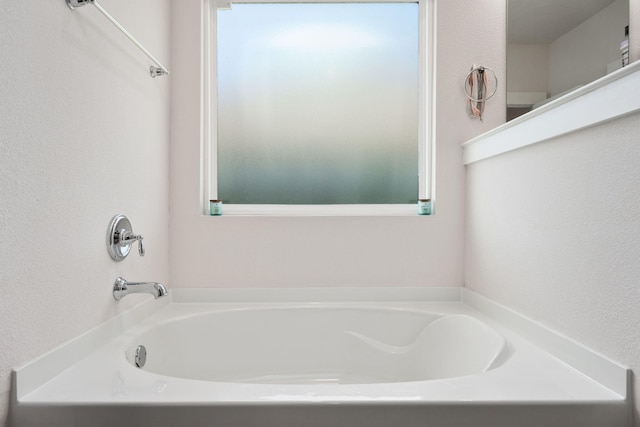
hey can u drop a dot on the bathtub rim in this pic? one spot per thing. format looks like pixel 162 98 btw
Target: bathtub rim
pixel 601 369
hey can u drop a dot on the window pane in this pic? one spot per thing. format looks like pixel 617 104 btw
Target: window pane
pixel 318 103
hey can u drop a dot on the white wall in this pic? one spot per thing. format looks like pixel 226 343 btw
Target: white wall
pixel 553 231
pixel 528 67
pixel 332 251
pixel 83 136
pixel 582 55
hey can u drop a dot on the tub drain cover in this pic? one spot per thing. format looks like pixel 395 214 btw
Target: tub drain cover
pixel 141 356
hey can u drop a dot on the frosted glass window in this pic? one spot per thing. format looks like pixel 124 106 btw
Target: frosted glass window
pixel 318 103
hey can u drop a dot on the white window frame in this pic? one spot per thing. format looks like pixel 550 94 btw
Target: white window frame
pixel 426 122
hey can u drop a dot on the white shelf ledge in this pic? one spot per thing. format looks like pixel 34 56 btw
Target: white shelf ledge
pixel 612 96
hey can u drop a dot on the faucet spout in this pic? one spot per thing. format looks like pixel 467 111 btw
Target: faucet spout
pixel 122 288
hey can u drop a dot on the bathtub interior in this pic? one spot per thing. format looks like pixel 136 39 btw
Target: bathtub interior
pixel 302 345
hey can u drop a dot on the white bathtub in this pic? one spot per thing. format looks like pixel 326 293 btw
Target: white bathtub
pixel 320 344
pixel 316 364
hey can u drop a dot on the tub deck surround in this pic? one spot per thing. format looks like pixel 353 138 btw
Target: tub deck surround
pixel 522 385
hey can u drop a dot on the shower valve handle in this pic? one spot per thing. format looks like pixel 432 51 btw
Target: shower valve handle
pixel 120 238
pixel 128 237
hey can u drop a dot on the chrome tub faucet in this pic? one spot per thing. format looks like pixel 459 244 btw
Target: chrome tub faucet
pixel 121 288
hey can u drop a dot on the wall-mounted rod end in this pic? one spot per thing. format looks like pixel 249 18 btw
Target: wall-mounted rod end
pixel 157 71
pixel 72 4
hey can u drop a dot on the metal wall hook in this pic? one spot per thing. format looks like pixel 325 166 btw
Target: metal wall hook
pixel 120 237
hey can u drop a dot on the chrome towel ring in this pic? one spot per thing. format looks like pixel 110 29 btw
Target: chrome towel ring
pixel 475 86
pixel 468 86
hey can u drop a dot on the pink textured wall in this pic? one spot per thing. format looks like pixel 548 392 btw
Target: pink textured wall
pixel 333 251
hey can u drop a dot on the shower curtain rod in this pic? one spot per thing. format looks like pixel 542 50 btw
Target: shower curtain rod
pixel 160 70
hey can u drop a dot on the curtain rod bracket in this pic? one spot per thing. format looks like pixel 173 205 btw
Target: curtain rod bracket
pixel 157 71
pixel 77 3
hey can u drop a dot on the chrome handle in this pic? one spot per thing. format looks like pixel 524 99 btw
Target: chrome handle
pixel 127 237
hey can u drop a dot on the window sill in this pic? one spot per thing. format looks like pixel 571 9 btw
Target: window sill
pixel 605 99
pixel 321 210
